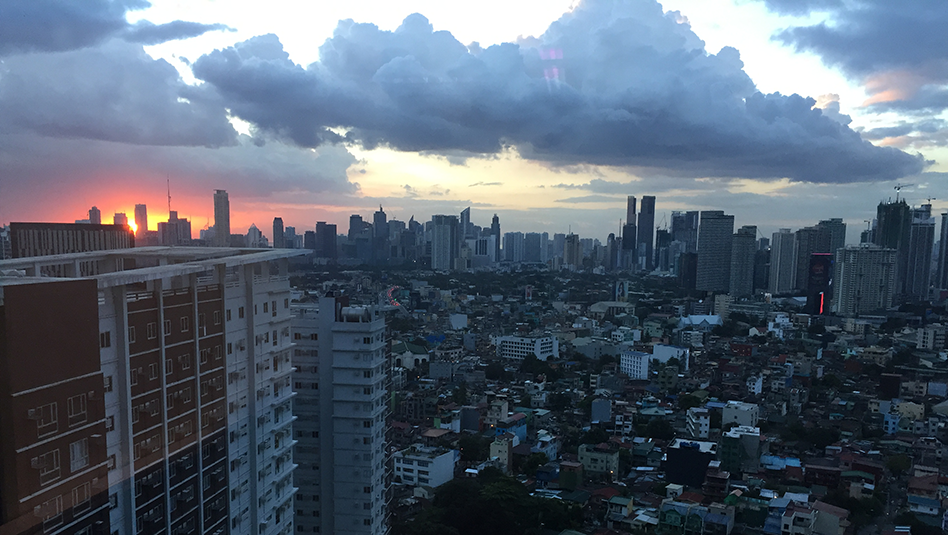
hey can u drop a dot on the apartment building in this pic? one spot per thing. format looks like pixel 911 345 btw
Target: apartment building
pixel 165 385
pixel 518 347
pixel 342 360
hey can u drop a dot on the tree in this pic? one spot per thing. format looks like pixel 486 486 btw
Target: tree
pixel 474 448
pixel 660 428
pixel 532 463
pixel 595 435
pixel 688 401
pixel 460 395
pixel 898 464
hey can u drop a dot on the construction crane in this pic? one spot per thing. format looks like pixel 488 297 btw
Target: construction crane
pixel 898 189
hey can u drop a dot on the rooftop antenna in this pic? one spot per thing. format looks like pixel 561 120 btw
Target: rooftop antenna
pixel 169 195
pixel 930 199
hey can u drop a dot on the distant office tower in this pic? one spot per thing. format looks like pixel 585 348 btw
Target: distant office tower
pixel 763 243
pixel 818 290
pixel 289 237
pixel 611 249
pixel 120 219
pixel 663 240
pixel 255 237
pixel 864 280
pixel 941 278
pixel 495 232
pixel 806 242
pixel 762 269
pixel 325 240
pixel 573 252
pixel 893 231
pixel 688 270
pixel 6 248
pixel 513 246
pixel 43 239
pixel 175 231
pixel 221 219
pixel 445 246
pixel 833 237
pixel 141 220
pixel 921 242
pixel 355 226
pixel 629 246
pixel 559 242
pixel 646 230
pixel 150 400
pixel 279 238
pixel 544 247
pixel 309 240
pixel 685 229
pixel 782 268
pixel 531 247
pixel 630 214
pixel 95 216
pixel 743 250
pixel 715 234
pixel 380 233
pixel 466 227
pixel 342 360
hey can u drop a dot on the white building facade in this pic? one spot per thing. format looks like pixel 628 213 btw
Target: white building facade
pixel 634 364
pixel 518 347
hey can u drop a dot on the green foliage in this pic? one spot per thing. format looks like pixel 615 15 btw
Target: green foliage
pixel 898 464
pixel 659 428
pixel 862 511
pixel 474 447
pixel 595 435
pixel 460 395
pixel 495 371
pixel 532 463
pixel 491 503
pixel 688 401
pixel 559 402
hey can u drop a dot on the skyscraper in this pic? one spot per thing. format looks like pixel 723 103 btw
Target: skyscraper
pixel 819 275
pixel 834 235
pixel 141 220
pixel 864 280
pixel 646 231
pixel 893 231
pixel 95 216
pixel 941 279
pixel 325 240
pixel 120 219
pixel 531 247
pixel 921 242
pixel 685 230
pixel 467 229
pixel 782 270
pixel 445 246
pixel 743 249
pixel 573 253
pixel 806 242
pixel 630 210
pixel 341 446
pixel 495 232
pixel 513 246
pixel 221 219
pixel 279 238
pixel 715 235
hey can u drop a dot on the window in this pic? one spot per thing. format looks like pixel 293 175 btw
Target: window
pixel 266 307
pixel 186 394
pixel 167 327
pixel 131 334
pixel 185 324
pixel 297 336
pixel 52 512
pixel 227 314
pixel 274 338
pixel 202 320
pixel 112 462
pixel 185 361
pixel 230 348
pixel 153 371
pixel 48 465
pixel 204 355
pixel 154 407
pixel 286 303
pixel 46 418
pixel 367 490
pixel 367 374
pixel 217 317
pixel 134 376
pixel 76 409
pixel 135 413
pixel 169 367
pixel 170 400
pixel 79 455
pixel 273 307
pixel 314 336
pixel 240 312
pixel 107 383
pixel 110 423
pixel 151 330
pixel 80 497
pixel 105 339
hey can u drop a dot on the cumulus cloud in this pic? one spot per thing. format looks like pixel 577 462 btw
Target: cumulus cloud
pixel 592 198
pixel 614 83
pixel 801 7
pixel 114 92
pixel 898 50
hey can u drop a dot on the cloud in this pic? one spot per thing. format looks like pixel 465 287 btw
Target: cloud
pixel 898 50
pixel 610 83
pixel 486 184
pixel 592 198
pixel 113 92
pixel 801 7
pixel 147 33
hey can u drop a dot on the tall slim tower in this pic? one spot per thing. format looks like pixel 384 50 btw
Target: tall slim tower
pixel 781 262
pixel 921 242
pixel 221 219
pixel 715 234
pixel 743 249
pixel 807 242
pixel 646 230
pixel 95 216
pixel 941 279
pixel 893 231
pixel 141 220
pixel 467 229
pixel 279 238
pixel 495 232
pixel 445 246
pixel 630 210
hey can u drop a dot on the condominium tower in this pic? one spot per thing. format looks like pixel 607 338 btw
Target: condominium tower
pixel 715 234
pixel 221 219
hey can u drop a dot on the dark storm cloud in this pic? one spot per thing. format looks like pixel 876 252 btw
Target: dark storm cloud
pixel 113 92
pixel 147 33
pixel 890 46
pixel 614 83
pixel 59 25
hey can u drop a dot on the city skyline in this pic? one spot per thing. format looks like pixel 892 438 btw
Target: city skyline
pixel 222 137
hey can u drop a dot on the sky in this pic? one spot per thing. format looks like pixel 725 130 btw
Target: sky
pixel 546 112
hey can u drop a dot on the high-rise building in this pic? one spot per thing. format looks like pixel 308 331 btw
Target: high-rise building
pixel 289 238
pixel 531 247
pixel 95 216
pixel 309 240
pixel 356 224
pixel 141 220
pixel 646 231
pixel 864 280
pixel 921 242
pixel 279 238
pixel 120 219
pixel 743 249
pixel 573 252
pixel 818 289
pixel 175 231
pixel 630 214
pixel 782 268
pixel 466 227
pixel 6 248
pixel 343 361
pixel 715 234
pixel 559 243
pixel 445 246
pixel 761 268
pixel 154 399
pixel 513 246
pixel 495 232
pixel 629 246
pixel 833 236
pixel 806 242
pixel 221 219
pixel 685 229
pixel 325 240
pixel 893 231
pixel 941 278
